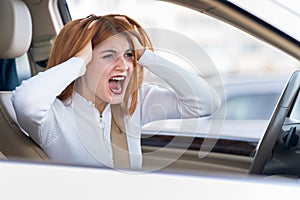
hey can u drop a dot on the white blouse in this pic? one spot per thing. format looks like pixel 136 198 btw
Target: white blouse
pixel 70 133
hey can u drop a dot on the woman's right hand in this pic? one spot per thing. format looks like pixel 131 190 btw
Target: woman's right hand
pixel 86 53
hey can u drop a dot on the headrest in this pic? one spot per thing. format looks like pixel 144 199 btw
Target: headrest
pixel 15 28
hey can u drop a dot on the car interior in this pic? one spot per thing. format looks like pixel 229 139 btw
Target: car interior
pixel 15 41
pixel 21 36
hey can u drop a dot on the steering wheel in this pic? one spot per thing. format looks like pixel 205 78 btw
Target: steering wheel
pixel 273 130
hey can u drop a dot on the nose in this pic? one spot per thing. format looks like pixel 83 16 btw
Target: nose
pixel 122 64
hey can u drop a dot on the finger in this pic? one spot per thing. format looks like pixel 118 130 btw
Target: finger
pixel 88 18
pixel 122 18
pixel 92 23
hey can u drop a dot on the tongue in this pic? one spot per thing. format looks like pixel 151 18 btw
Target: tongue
pixel 115 86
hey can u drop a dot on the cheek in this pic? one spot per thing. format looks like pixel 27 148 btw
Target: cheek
pixel 95 73
pixel 130 71
pixel 130 65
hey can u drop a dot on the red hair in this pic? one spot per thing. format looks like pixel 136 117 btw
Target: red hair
pixel 76 34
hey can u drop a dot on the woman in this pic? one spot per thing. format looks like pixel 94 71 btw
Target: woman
pixel 89 106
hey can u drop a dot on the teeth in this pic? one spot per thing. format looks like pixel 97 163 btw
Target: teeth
pixel 118 78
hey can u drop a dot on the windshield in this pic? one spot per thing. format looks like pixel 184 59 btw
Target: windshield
pixel 283 14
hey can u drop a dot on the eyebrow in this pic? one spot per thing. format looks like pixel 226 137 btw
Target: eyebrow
pixel 113 51
pixel 130 49
pixel 108 51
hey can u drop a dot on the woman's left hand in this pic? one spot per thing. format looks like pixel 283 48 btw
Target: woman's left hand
pixel 140 49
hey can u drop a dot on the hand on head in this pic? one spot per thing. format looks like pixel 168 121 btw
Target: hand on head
pixel 140 49
pixel 86 53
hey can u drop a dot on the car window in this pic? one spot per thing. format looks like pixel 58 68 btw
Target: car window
pixel 251 106
pixel 13 72
pixel 231 52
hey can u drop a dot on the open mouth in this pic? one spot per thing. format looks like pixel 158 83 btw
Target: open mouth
pixel 116 84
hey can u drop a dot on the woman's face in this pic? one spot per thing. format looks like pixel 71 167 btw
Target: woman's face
pixel 110 70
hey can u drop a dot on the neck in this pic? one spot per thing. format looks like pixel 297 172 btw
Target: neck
pixel 100 105
pixel 83 91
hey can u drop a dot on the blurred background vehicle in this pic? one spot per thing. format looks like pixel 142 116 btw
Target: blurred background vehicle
pixel 252 97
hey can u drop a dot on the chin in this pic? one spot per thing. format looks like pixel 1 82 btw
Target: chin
pixel 117 100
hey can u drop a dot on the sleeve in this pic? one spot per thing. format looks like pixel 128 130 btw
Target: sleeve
pixel 191 96
pixel 32 100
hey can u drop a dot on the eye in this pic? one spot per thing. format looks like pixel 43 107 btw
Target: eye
pixel 108 56
pixel 129 54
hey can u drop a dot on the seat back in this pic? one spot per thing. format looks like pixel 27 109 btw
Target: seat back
pixel 14 142
pixel 15 39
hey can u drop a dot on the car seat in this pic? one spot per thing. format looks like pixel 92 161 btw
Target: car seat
pixel 15 39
